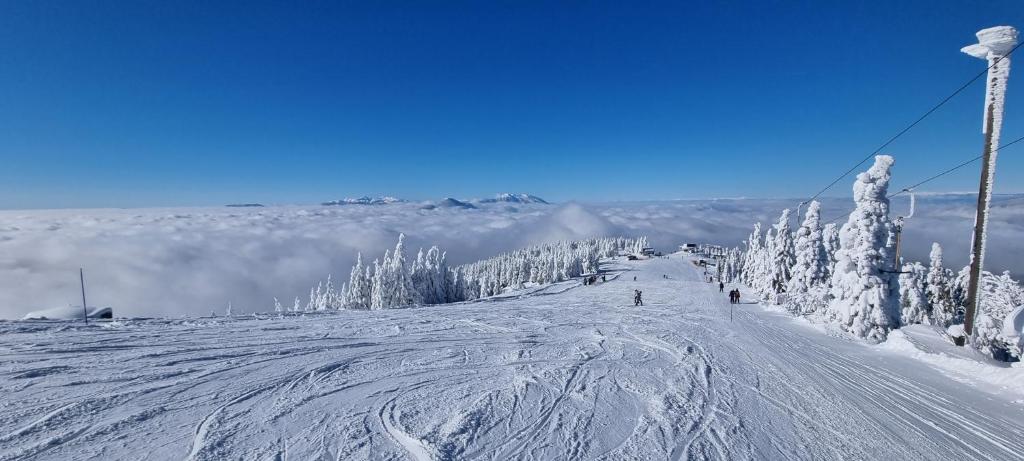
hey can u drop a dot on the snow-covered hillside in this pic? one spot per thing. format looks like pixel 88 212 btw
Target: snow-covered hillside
pixel 569 372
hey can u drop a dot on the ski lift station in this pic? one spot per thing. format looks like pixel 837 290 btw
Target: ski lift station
pixel 688 247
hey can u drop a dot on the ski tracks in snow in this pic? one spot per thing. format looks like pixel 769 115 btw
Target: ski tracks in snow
pixel 569 372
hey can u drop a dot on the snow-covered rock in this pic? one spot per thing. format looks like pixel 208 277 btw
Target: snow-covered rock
pixel 1013 324
pixel 70 313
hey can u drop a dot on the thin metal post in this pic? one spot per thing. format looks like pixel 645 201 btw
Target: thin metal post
pixel 85 310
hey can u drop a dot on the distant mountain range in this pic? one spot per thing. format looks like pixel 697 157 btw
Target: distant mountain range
pixel 364 201
pixel 449 202
pixel 514 198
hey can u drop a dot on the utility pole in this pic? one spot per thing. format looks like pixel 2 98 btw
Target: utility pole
pixel 994 44
pixel 85 310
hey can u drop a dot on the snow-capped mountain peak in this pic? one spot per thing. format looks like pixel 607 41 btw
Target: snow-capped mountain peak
pixel 515 198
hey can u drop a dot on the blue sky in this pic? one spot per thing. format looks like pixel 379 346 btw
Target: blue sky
pixel 106 104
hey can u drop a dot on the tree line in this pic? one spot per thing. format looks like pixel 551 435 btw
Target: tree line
pixel 849 275
pixel 396 281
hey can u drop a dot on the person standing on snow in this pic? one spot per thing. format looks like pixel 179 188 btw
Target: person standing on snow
pixel 721 287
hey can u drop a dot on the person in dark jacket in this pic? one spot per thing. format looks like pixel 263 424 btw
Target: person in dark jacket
pixel 721 287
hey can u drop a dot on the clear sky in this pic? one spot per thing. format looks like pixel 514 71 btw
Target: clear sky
pixel 203 103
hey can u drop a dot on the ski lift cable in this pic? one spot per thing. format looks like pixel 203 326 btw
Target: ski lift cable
pixel 939 175
pixel 912 125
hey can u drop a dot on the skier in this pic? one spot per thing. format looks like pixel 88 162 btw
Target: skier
pixel 737 296
pixel 721 287
pixel 638 299
pixel 634 278
pixel 604 278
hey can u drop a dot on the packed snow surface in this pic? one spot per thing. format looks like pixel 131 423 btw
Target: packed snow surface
pixel 564 372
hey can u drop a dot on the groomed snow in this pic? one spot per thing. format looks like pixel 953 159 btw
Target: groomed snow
pixel 568 372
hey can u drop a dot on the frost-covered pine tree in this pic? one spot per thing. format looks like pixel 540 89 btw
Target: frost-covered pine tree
pixel 357 296
pixel 403 294
pixel 277 306
pixel 782 258
pixel 380 297
pixel 830 241
pixel 227 312
pixel 810 271
pixel 937 284
pixel 862 301
pixel 914 306
pixel 750 257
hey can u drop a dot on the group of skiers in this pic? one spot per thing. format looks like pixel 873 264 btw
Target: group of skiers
pixel 638 298
pixel 593 279
pixel 734 296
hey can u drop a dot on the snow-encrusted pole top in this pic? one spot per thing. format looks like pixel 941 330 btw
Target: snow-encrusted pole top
pixel 993 42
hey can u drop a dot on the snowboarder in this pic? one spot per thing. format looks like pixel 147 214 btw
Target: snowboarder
pixel 721 287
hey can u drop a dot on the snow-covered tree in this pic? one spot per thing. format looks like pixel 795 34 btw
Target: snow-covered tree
pixel 277 306
pixel 937 285
pixel 1000 295
pixel 782 257
pixel 810 273
pixel 380 284
pixel 830 241
pixel 914 307
pixel 359 286
pixel 403 293
pixel 862 300
pixel 227 312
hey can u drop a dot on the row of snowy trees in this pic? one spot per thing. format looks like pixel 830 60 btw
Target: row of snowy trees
pixel 397 282
pixel 849 276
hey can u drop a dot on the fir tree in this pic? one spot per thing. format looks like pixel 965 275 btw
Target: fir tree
pixel 862 303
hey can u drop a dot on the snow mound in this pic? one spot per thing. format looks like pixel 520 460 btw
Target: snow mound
pixel 70 313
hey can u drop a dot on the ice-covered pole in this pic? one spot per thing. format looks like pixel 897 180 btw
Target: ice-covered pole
pixel 994 45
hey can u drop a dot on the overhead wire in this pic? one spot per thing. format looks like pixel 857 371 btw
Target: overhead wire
pixel 937 175
pixel 913 124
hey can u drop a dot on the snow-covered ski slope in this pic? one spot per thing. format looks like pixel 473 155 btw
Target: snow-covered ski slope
pixel 564 373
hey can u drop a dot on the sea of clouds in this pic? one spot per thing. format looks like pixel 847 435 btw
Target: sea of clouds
pixel 194 261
